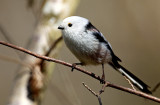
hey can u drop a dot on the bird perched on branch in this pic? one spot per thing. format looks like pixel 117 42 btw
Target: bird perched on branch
pixel 89 45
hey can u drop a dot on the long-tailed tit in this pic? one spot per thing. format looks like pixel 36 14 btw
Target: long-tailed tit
pixel 90 46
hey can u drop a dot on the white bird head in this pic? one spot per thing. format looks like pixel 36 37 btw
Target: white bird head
pixel 73 24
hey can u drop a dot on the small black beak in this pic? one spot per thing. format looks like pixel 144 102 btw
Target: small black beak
pixel 61 27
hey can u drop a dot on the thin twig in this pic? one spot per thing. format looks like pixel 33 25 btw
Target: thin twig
pixel 103 88
pixel 156 87
pixel 130 83
pixel 99 100
pixel 53 45
pixel 51 49
pixel 8 38
pixel 94 93
pixel 108 84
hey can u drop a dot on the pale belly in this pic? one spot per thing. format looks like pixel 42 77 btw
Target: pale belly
pixel 90 53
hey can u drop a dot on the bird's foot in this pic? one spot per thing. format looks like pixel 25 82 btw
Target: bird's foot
pixel 74 65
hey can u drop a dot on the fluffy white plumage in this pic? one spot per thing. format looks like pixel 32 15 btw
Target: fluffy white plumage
pixel 90 46
pixel 82 43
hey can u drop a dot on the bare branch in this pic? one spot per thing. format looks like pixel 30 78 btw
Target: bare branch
pixel 130 83
pixel 8 38
pixel 94 93
pixel 107 84
pixel 51 49
pixel 135 92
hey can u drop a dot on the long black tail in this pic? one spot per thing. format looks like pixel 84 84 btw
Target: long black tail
pixel 135 80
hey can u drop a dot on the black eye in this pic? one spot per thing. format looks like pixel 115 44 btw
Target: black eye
pixel 70 24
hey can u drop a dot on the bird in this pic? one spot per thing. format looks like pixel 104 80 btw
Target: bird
pixel 90 47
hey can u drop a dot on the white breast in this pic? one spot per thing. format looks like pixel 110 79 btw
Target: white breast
pixel 87 49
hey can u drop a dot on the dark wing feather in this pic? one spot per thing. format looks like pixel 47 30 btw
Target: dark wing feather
pixel 98 35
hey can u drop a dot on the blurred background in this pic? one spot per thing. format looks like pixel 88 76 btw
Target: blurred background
pixel 131 26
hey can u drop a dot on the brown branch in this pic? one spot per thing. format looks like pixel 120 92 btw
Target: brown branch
pixel 107 84
pixel 49 59
pixel 132 91
pixel 51 49
pixel 8 38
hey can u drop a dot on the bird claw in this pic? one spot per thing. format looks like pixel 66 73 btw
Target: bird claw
pixel 73 66
pixel 102 81
pixel 72 69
